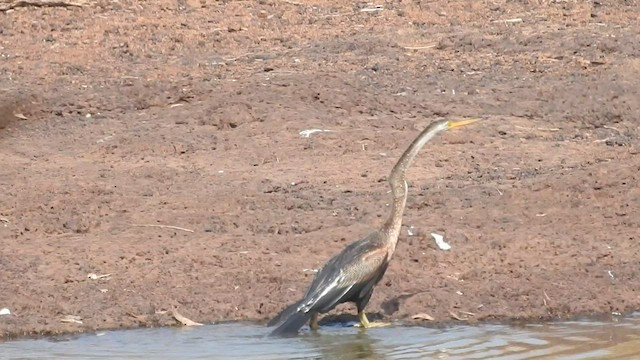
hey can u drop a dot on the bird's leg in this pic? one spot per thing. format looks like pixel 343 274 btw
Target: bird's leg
pixel 364 322
pixel 313 322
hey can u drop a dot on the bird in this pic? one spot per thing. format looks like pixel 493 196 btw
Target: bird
pixel 352 274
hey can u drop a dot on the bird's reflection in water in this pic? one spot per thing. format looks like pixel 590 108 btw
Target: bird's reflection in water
pixel 341 346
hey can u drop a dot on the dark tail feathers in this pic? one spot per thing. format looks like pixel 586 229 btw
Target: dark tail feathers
pixel 289 320
pixel 284 314
pixel 291 325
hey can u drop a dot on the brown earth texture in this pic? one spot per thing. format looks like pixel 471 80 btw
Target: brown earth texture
pixel 118 115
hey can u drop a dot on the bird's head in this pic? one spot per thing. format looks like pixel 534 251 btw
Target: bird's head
pixel 458 123
pixel 445 124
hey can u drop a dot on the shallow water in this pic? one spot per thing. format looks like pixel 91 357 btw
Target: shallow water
pixel 561 340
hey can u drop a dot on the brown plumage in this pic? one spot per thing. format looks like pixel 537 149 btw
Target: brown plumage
pixel 351 275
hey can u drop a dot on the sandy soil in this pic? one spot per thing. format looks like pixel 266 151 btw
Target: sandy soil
pixel 188 113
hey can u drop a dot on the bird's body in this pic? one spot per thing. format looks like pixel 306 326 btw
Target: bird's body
pixel 347 277
pixel 352 274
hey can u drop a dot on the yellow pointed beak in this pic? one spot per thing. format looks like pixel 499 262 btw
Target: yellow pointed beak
pixel 457 123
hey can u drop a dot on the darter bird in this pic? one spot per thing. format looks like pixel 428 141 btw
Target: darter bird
pixel 351 275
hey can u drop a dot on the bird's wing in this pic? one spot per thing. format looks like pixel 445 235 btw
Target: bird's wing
pixel 354 266
pixel 327 293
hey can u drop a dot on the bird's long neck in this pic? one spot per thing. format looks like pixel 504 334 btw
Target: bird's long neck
pixel 399 188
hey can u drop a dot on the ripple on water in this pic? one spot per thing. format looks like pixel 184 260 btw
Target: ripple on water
pixel 568 340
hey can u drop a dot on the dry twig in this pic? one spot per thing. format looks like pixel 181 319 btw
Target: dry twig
pixel 509 21
pixel 74 319
pixel 292 2
pixel 183 320
pixel 456 316
pixel 419 47
pixel 164 227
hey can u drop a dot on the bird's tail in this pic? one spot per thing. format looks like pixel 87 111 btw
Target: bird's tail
pixel 284 314
pixel 289 320
pixel 291 324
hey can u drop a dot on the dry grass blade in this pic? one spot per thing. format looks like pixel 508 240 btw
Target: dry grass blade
pixel 165 227
pixel 141 318
pixel 71 319
pixel 183 320
pixel 372 9
pixel 457 317
pixel 292 2
pixel 509 21
pixel 546 298
pixel 419 47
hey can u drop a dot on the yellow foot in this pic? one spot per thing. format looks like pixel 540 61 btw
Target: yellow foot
pixel 372 325
pixel 364 322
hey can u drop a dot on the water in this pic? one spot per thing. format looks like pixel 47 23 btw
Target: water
pixel 561 340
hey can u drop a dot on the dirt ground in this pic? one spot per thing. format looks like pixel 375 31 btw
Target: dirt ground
pixel 188 113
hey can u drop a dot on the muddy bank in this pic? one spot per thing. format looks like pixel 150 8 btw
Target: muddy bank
pixel 188 114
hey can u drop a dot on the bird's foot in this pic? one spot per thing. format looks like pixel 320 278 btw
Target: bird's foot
pixel 371 325
pixel 364 322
